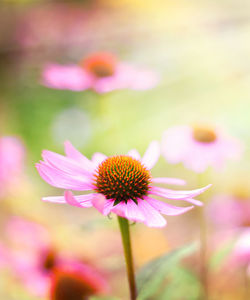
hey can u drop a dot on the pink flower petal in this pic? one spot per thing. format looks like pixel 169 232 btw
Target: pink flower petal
pixel 70 199
pixel 135 154
pixel 103 205
pixel 166 208
pixel 194 201
pixel 151 155
pixel 73 153
pixel 69 77
pixel 126 77
pixel 130 211
pixel 166 180
pixel 61 180
pixel 177 195
pixel 83 200
pixel 65 164
pixel 152 217
pixel 98 158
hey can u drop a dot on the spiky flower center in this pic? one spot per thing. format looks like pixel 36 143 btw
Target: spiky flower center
pixel 69 286
pixel 204 135
pixel 122 178
pixel 100 64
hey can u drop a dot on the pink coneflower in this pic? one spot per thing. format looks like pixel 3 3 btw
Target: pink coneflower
pixel 101 72
pixel 31 256
pixel 121 184
pixel 33 259
pixel 11 162
pixel 199 147
pixel 76 282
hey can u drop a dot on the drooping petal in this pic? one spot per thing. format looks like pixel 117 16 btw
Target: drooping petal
pixel 62 180
pixel 73 153
pixel 152 217
pixel 103 205
pixel 66 164
pixel 70 199
pixel 151 155
pixel 167 209
pixel 82 200
pixel 130 211
pixel 178 195
pixel 166 180
pixel 194 201
pixel 54 199
pixel 135 154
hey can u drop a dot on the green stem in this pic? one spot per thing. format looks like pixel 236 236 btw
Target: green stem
pixel 203 246
pixel 124 228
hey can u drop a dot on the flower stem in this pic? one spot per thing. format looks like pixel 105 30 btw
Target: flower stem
pixel 203 247
pixel 124 228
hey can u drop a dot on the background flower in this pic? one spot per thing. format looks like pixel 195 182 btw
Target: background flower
pixel 199 147
pixel 101 72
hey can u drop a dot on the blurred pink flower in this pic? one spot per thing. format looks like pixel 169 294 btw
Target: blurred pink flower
pixel 229 211
pixel 240 256
pixel 199 147
pixel 76 281
pixel 11 162
pixel 101 72
pixel 121 184
pixel 32 258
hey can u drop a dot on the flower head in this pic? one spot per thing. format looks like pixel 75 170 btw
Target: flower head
pixel 33 259
pixel 199 147
pixel 101 72
pixel 120 184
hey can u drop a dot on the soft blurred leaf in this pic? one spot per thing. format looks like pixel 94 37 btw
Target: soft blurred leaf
pixel 152 275
pixel 182 284
pixel 221 254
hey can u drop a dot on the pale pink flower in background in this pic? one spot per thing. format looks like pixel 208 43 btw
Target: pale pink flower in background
pixel 101 72
pixel 229 211
pixel 32 257
pixel 121 184
pixel 240 256
pixel 199 147
pixel 12 154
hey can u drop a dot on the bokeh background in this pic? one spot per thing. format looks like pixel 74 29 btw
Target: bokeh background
pixel 200 49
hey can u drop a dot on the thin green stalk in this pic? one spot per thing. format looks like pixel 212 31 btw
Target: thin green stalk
pixel 125 234
pixel 203 247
